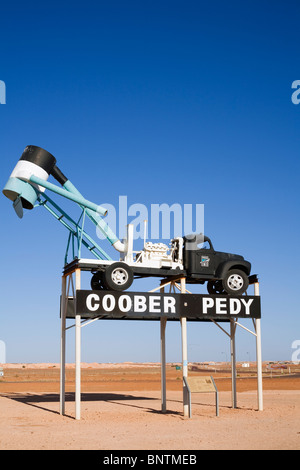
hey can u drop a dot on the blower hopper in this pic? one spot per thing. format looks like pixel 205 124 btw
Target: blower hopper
pixel 34 161
pixel 27 185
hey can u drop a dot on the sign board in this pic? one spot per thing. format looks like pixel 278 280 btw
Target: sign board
pixel 152 306
pixel 200 384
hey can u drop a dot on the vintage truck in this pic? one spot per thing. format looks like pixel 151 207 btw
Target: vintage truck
pixel 193 257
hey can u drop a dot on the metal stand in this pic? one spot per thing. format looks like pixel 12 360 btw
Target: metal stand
pixel 67 288
pixel 184 356
pixel 233 324
pixel 163 324
pixel 63 309
pixel 233 363
pixel 257 327
pixel 77 352
pixel 68 297
pixel 201 385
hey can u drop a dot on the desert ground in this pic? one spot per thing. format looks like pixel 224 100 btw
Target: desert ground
pixel 121 409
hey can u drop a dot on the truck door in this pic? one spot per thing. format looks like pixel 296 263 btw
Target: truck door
pixel 204 262
pixel 199 258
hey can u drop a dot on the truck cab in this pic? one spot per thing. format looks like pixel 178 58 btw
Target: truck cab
pixel 224 272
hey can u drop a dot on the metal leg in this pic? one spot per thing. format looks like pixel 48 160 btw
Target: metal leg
pixel 77 352
pixel 233 363
pixel 258 356
pixel 184 356
pixel 217 404
pixel 63 346
pixel 163 323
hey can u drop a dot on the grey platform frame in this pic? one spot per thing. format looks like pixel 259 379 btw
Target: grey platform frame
pixel 71 282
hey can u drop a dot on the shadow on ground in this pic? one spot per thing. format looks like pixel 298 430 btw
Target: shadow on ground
pixel 39 400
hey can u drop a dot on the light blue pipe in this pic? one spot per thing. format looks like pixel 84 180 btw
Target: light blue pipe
pixel 68 195
pixel 94 216
pixel 16 187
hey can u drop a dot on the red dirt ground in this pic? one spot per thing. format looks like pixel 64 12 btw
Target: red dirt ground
pixel 121 409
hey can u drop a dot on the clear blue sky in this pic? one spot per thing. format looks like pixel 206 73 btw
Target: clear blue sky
pixel 169 101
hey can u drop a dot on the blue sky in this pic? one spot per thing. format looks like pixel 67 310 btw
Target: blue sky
pixel 174 102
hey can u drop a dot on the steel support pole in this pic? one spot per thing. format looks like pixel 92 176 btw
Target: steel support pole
pixel 77 351
pixel 184 356
pixel 233 363
pixel 163 322
pixel 258 356
pixel 63 346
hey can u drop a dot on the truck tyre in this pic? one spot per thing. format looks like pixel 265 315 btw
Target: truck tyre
pixel 97 281
pixel 215 287
pixel 235 282
pixel 118 276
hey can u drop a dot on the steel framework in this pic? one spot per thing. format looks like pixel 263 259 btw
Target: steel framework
pixel 71 283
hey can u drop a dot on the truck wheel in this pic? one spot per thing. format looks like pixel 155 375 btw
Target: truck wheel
pixel 235 282
pixel 215 287
pixel 97 281
pixel 118 276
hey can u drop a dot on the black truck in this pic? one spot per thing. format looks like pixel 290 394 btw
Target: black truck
pixel 192 257
pixel 224 272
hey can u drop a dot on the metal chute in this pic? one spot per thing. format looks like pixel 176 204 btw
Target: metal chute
pixel 27 187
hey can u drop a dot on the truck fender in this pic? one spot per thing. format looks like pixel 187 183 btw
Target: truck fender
pixel 227 265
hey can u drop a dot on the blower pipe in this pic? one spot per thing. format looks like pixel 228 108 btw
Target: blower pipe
pixel 30 178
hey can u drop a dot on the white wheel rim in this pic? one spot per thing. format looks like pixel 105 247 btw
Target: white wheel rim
pixel 235 282
pixel 119 276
